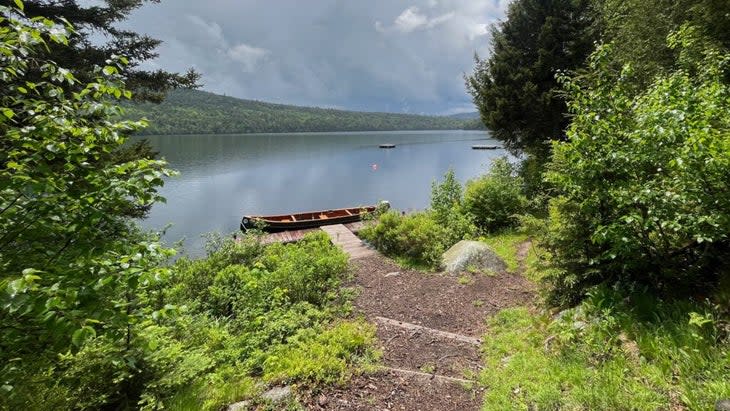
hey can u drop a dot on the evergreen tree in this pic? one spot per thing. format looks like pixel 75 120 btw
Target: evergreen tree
pixel 83 54
pixel 515 89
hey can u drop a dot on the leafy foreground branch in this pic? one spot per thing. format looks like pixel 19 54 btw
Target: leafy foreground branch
pixel 91 317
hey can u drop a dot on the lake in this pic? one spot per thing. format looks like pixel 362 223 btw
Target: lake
pixel 223 177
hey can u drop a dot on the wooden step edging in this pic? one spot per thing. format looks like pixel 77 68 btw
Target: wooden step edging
pixel 427 375
pixel 416 327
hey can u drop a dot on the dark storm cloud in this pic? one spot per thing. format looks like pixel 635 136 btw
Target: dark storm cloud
pixel 380 55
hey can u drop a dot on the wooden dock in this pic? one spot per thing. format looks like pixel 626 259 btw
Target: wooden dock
pixel 296 235
pixel 348 241
pixel 286 236
pixel 341 235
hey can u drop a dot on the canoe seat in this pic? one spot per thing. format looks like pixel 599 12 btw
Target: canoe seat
pixel 323 216
pixel 293 218
pixel 348 212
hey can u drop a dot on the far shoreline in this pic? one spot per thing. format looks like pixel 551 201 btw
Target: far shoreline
pixel 315 132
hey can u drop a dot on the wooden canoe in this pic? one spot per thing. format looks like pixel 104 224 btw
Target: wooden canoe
pixel 311 219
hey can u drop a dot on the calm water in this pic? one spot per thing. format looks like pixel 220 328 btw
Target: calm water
pixel 223 177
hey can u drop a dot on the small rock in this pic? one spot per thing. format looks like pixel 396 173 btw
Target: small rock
pixel 277 394
pixel 579 325
pixel 722 405
pixel 239 406
pixel 322 400
pixel 393 274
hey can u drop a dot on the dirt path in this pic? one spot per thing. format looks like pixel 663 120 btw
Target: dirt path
pixel 429 327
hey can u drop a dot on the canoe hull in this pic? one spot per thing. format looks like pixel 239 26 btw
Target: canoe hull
pixel 301 221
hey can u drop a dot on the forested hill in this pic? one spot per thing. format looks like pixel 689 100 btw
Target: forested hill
pixel 200 112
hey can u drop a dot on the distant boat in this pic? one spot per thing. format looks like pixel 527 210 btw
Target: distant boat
pixel 311 219
pixel 387 145
pixel 484 147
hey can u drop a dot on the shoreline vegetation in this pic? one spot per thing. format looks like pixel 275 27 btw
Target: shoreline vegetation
pixel 200 112
pixel 614 231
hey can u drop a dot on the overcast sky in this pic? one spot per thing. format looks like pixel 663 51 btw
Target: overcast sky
pixel 374 55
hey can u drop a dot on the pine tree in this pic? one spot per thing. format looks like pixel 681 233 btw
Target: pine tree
pixel 515 88
pixel 84 54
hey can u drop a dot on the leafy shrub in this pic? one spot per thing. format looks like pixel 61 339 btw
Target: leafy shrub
pixel 448 211
pixel 193 277
pixel 495 201
pixel 317 356
pixel 417 238
pixel 445 195
pixel 644 181
pixel 307 271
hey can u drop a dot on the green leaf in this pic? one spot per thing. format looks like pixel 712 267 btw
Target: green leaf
pixel 20 4
pixel 82 335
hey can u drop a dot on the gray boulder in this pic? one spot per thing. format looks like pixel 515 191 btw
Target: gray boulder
pixel 475 254
pixel 723 405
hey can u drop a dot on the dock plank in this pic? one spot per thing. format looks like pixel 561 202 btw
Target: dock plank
pixel 341 235
pixel 350 244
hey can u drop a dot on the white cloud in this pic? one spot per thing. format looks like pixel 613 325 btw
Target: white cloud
pixel 211 29
pixel 412 19
pixel 247 55
pixel 477 29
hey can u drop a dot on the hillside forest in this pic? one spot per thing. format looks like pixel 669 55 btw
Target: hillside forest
pixel 186 111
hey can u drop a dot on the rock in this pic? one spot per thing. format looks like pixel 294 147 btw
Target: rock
pixel 471 254
pixel 322 400
pixel 722 405
pixel 277 394
pixel 579 325
pixel 239 406
pixel 393 274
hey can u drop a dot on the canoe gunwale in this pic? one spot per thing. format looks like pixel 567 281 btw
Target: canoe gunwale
pixel 293 221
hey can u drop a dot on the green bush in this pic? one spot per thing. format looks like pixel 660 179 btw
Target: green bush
pixel 448 211
pixel 446 195
pixel 417 238
pixel 322 356
pixel 644 181
pixel 495 200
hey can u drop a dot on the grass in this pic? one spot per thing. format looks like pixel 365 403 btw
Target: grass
pixel 428 368
pixel 610 353
pixel 412 264
pixel 506 245
pixel 465 280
